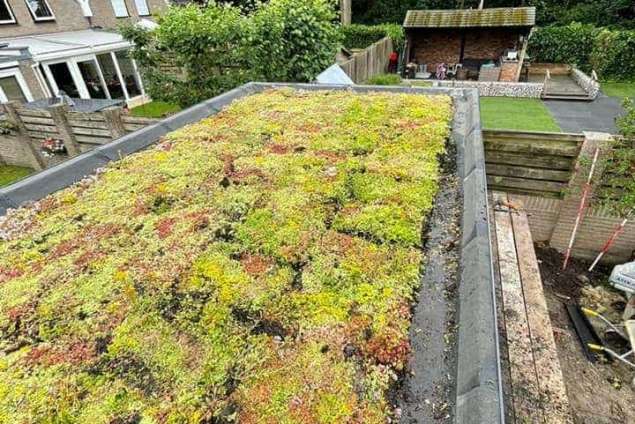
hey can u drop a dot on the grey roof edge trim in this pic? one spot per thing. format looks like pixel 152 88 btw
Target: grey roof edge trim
pixel 479 391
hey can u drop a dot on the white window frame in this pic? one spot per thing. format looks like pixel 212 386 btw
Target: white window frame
pixel 142 7
pixel 12 20
pixel 4 73
pixel 78 79
pixel 76 74
pixel 116 8
pixel 35 18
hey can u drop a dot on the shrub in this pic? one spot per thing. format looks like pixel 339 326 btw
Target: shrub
pixel 358 36
pixel 570 44
pixel 617 190
pixel 206 43
pixel 385 79
pixel 293 40
pixel 613 55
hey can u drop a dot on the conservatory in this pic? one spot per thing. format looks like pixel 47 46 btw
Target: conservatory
pixel 87 64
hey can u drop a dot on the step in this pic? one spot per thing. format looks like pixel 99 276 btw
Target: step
pixel 584 98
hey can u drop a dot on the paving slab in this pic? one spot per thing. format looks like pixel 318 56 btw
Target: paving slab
pixel 578 116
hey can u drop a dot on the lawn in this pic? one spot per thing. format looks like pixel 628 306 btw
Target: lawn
pixel 256 267
pixel 516 114
pixel 155 109
pixel 619 89
pixel 10 174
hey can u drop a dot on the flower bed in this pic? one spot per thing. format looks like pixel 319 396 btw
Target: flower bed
pixel 258 266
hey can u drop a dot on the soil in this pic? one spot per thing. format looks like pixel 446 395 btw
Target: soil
pixel 599 392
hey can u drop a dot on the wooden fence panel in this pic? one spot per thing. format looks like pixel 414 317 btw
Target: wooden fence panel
pixel 369 62
pixel 80 132
pixel 539 164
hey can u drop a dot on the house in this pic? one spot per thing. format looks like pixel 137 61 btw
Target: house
pixel 471 38
pixel 47 46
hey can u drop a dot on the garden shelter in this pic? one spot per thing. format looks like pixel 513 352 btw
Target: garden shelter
pixel 471 38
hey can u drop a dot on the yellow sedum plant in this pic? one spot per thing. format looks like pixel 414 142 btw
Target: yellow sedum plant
pixel 256 267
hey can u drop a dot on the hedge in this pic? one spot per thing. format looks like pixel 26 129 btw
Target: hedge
pixel 611 53
pixel 570 44
pixel 613 56
pixel 358 36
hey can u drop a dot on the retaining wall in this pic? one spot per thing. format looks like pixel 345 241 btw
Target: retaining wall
pixel 588 83
pixel 546 173
pixel 497 88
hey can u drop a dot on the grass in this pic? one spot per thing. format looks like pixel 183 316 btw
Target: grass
pixel 10 174
pixel 155 109
pixel 259 266
pixel 619 89
pixel 384 79
pixel 516 114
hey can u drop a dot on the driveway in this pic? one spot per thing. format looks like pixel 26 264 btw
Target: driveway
pixel 577 116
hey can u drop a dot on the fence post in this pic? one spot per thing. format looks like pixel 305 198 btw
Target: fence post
pixel 60 118
pixel 114 122
pixel 23 136
pixel 571 202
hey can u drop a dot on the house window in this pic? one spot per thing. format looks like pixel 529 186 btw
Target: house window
pixel 142 7
pixel 6 15
pixel 11 89
pixel 119 6
pixel 109 69
pixel 40 10
pixel 128 73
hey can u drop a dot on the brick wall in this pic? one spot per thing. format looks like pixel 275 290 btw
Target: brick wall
pixel 69 17
pixel 509 71
pixel 31 80
pixel 432 47
pixel 489 43
pixel 105 17
pixel 554 68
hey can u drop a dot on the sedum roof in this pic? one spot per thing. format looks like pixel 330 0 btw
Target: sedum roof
pixel 471 18
pixel 258 266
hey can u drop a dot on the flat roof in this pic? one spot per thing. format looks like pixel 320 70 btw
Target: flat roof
pixel 67 44
pixel 471 18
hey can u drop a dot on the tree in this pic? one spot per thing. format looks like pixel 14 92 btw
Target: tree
pixel 294 40
pixel 205 43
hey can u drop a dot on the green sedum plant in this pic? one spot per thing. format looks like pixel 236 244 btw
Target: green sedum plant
pixel 257 266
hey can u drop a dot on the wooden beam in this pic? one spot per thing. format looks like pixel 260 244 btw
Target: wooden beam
pixel 525 388
pixel 543 344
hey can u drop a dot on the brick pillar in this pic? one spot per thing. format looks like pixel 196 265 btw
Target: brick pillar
pixel 31 147
pixel 571 203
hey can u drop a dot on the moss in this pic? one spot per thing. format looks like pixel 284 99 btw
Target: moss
pixel 258 266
